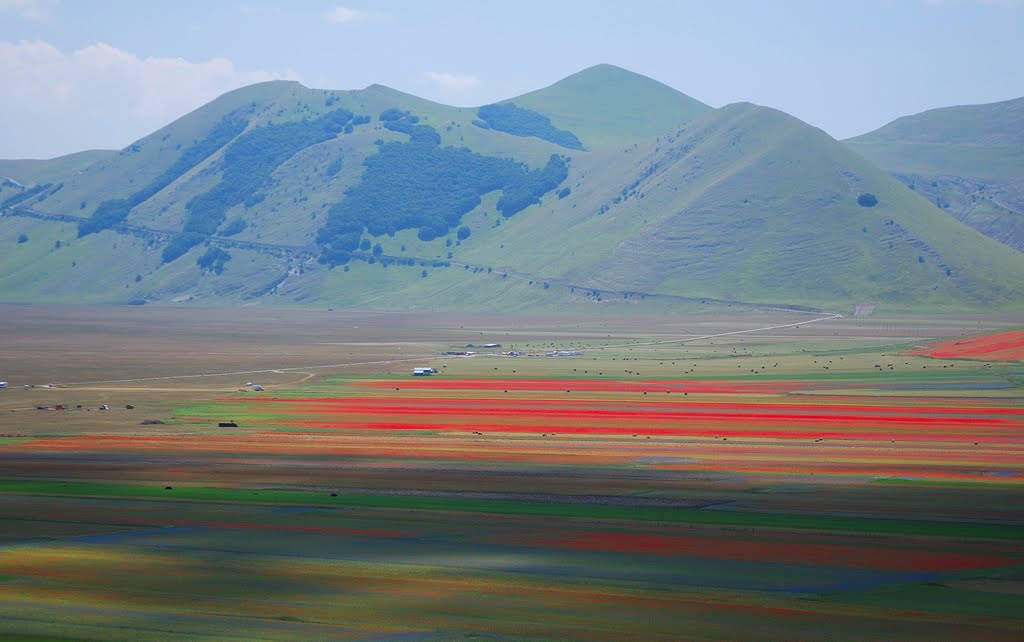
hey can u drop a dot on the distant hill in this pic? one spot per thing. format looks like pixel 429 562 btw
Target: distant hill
pixel 968 160
pixel 605 189
pixel 15 175
pixel 608 106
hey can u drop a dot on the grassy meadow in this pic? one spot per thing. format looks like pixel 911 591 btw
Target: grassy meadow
pixel 758 475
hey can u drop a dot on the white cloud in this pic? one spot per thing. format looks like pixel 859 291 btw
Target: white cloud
pixel 345 15
pixel 100 96
pixel 39 10
pixel 453 82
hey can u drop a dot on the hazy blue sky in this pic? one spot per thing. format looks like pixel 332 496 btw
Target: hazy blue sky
pixel 79 74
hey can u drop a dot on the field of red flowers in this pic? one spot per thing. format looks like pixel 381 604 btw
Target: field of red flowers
pixel 849 496
pixel 1002 346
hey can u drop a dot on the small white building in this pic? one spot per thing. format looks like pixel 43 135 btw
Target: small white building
pixel 3 384
pixel 423 371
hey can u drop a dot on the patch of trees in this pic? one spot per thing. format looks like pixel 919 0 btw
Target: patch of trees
pixel 508 118
pixel 114 212
pixel 107 215
pixel 421 185
pixel 867 199
pixel 334 167
pixel 248 164
pixel 213 260
pixel 526 189
pixel 24 195
pixel 234 226
pixel 406 123
pixel 179 244
pixel 394 114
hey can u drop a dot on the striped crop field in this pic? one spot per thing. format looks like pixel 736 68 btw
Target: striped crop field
pixel 839 489
pixel 1002 346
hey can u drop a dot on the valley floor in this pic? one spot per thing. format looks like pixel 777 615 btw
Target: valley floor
pixel 743 477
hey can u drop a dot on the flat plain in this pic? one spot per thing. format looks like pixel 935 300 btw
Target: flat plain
pixel 736 475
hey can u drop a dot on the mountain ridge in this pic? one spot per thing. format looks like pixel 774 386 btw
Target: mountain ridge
pixel 406 203
pixel 967 160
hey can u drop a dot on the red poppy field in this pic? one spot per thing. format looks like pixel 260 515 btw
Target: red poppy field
pixel 825 482
pixel 1004 346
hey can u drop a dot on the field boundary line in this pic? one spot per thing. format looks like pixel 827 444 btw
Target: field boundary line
pixel 248 372
pixel 829 317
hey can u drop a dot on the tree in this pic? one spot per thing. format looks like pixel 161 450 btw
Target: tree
pixel 213 260
pixel 867 199
pixel 235 226
pixel 463 233
pixel 23 238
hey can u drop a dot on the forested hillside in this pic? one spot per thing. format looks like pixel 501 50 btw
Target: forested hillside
pixel 606 188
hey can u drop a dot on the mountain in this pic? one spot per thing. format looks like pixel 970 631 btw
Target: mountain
pixel 16 174
pixel 968 160
pixel 611 106
pixel 606 188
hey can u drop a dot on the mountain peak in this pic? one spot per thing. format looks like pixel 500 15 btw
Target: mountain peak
pixel 606 71
pixel 609 105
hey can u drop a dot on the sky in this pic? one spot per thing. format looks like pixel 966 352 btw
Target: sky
pixel 87 74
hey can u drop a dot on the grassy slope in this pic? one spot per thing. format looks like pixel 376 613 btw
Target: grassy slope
pixel 743 203
pixel 31 171
pixel 292 212
pixel 136 165
pixel 993 124
pixel 750 204
pixel 609 106
pixel 965 159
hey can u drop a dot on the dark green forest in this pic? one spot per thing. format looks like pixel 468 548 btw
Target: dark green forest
pixel 508 118
pixel 420 185
pixel 113 212
pixel 24 195
pixel 248 163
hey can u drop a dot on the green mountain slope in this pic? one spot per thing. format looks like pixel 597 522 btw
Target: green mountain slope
pixel 609 106
pixel 750 204
pixel 21 178
pixel 282 194
pixel 32 171
pixel 968 160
